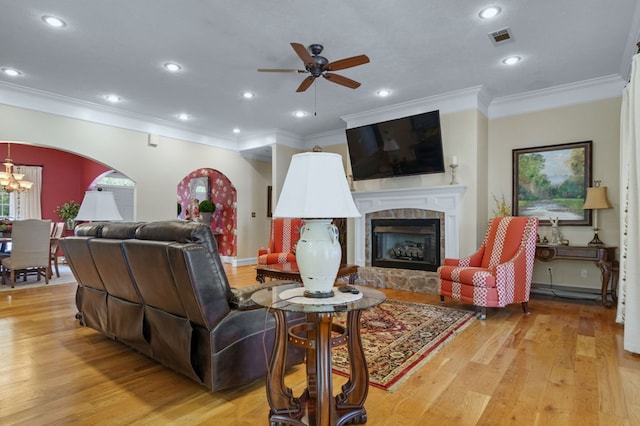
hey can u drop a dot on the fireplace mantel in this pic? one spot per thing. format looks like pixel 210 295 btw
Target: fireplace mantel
pixel 445 199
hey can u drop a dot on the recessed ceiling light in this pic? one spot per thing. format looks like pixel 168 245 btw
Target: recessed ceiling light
pixel 11 72
pixel 184 116
pixel 113 98
pixel 511 60
pixel 489 12
pixel 54 21
pixel 248 95
pixel 236 130
pixel 172 67
pixel 299 114
pixel 383 93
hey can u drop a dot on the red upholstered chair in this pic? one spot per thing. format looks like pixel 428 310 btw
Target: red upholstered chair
pixel 499 273
pixel 285 234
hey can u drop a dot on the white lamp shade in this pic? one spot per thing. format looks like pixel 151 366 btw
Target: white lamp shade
pixel 316 187
pixel 98 205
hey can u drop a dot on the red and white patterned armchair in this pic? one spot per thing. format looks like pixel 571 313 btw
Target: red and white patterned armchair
pixel 285 234
pixel 499 273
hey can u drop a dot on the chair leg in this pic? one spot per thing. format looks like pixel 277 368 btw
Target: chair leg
pixel 12 277
pixel 481 312
pixel 525 307
pixel 442 300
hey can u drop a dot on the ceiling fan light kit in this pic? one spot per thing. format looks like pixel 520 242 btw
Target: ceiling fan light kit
pixel 319 66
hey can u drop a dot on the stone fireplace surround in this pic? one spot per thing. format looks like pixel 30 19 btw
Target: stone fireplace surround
pixel 439 199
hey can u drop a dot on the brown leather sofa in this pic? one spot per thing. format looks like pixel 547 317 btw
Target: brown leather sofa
pixel 160 288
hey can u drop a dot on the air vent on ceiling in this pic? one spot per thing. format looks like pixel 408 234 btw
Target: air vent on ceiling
pixel 501 36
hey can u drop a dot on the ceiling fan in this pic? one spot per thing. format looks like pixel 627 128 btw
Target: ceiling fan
pixel 319 66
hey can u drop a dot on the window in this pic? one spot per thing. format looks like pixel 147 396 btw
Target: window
pixel 5 204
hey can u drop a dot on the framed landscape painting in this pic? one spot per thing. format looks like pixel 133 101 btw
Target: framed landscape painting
pixel 551 182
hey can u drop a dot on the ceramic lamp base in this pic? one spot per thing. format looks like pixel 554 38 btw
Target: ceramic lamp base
pixel 318 256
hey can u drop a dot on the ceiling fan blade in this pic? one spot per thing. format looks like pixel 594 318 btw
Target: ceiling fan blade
pixel 280 70
pixel 306 83
pixel 303 53
pixel 341 64
pixel 344 81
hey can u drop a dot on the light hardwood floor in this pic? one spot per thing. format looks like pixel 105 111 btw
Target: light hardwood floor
pixel 561 365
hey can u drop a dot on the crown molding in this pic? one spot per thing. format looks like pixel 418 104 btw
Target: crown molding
pixel 460 100
pixel 51 103
pixel 558 96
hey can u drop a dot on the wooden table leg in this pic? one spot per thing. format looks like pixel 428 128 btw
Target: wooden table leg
pixel 605 269
pixel 350 403
pixel 284 406
pixel 324 379
pixel 615 276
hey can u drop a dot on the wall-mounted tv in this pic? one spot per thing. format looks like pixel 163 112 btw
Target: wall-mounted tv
pixel 405 146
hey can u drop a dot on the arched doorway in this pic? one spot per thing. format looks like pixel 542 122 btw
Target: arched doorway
pixel 224 195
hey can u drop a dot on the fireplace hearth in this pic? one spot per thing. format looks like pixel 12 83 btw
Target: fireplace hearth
pixel 406 244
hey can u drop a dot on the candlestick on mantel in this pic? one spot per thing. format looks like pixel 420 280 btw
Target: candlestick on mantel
pixel 454 166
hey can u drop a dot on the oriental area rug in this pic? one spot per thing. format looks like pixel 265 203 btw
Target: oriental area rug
pixel 398 337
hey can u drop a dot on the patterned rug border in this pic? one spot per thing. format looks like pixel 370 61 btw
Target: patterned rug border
pixel 432 347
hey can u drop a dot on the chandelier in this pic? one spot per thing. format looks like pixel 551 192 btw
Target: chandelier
pixel 10 181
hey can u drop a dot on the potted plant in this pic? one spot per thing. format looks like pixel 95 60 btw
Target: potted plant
pixel 5 227
pixel 206 209
pixel 68 212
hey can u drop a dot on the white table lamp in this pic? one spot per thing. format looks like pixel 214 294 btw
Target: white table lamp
pixel 316 190
pixel 98 205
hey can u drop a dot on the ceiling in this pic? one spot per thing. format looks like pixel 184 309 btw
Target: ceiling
pixel 417 49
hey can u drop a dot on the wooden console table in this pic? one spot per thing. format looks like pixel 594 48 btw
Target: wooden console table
pixel 603 256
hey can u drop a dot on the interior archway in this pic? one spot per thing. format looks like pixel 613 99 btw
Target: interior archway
pixel 224 195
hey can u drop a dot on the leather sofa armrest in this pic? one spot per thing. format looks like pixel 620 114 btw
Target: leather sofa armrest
pixel 241 297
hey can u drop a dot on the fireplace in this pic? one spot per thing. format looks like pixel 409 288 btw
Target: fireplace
pixel 442 203
pixel 406 243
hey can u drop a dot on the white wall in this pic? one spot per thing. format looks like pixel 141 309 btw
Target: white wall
pixel 156 170
pixel 597 121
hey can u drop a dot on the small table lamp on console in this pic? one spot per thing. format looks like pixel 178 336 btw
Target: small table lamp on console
pixel 596 199
pixel 97 206
pixel 317 191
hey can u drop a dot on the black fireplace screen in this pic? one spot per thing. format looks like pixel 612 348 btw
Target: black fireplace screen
pixel 406 243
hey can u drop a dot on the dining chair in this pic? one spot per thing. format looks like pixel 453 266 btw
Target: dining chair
pixel 30 250
pixel 56 234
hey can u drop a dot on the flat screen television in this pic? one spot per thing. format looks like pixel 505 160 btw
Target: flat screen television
pixel 405 146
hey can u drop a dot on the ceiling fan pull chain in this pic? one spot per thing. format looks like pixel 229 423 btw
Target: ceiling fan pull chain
pixel 315 100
